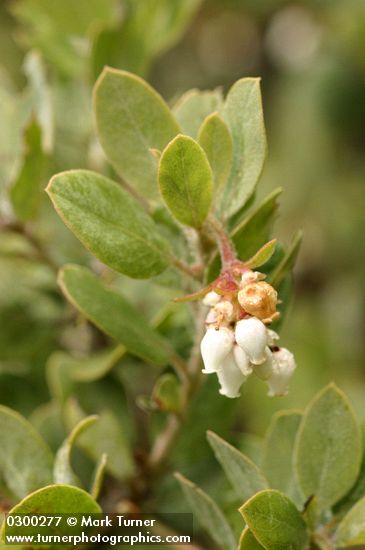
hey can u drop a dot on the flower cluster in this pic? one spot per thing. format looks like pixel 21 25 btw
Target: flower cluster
pixel 237 341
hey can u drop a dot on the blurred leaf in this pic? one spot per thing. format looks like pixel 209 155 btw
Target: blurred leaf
pixel 287 263
pixel 26 190
pixel 277 458
pixel 25 459
pixel 244 117
pixel 167 393
pixel 216 141
pixel 248 541
pixel 262 256
pixel 62 469
pixel 105 437
pixel 275 522
pixel 185 180
pixel 99 476
pixel 111 312
pixel 54 499
pixel 208 514
pixel 244 476
pixel 61 29
pixel 40 98
pixel 251 233
pixel 328 451
pixel 351 530
pixel 109 223
pixel 148 28
pixel 193 108
pixel 132 118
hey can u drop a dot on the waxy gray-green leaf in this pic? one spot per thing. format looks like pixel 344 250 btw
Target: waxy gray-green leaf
pixel 193 107
pixel 113 314
pixel 288 261
pixel 328 448
pixel 109 223
pixel 216 141
pixel 244 476
pixel 208 514
pixel 275 522
pixel 132 118
pixel 25 459
pixel 244 117
pixel 62 469
pixel 186 181
pixel 277 457
pixel 351 530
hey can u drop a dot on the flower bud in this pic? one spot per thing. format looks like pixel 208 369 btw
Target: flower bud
pixel 251 277
pixel 242 360
pixel 259 299
pixel 251 336
pixel 283 366
pixel 264 370
pixel 224 311
pixel 230 378
pixel 215 346
pixel 211 299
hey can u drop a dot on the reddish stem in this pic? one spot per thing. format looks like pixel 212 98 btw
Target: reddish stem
pixel 226 248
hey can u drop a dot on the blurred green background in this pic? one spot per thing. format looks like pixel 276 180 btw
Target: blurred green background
pixel 311 58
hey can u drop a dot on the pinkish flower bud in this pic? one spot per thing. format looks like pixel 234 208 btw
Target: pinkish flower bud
pixel 211 299
pixel 215 346
pixel 251 336
pixel 283 366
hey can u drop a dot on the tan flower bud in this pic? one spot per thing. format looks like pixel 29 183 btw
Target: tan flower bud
pixel 259 299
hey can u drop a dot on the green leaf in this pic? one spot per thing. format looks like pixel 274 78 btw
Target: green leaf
pixel 252 233
pixel 277 457
pixel 216 141
pixel 262 256
pixel 288 261
pixel 351 530
pixel 208 514
pixel 109 223
pixel 105 437
pixel 167 393
pixel 132 118
pixel 99 476
pixel 54 499
pixel 26 191
pixel 113 314
pixel 194 107
pixel 328 451
pixel 275 522
pixel 186 180
pixel 62 469
pixel 243 474
pixel 248 541
pixel 25 459
pixel 244 117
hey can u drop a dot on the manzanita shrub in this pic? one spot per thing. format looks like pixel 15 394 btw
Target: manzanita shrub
pixel 176 207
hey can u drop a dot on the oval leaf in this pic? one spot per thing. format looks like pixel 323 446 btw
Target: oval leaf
pixel 186 181
pixel 275 522
pixel 57 500
pixel 62 469
pixel 194 106
pixel 25 459
pixel 244 117
pixel 328 451
pixel 262 256
pixel 208 514
pixel 132 118
pixel 248 541
pixel 245 477
pixel 111 312
pixel 109 223
pixel 277 457
pixel 352 528
pixel 216 141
